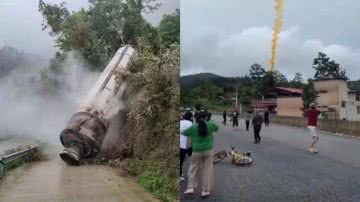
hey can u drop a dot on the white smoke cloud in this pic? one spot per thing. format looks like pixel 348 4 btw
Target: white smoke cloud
pixel 28 108
pixel 233 54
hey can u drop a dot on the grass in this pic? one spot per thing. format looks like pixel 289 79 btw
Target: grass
pixel 150 177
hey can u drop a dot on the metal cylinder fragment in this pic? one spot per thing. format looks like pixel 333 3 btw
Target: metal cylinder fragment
pixel 84 133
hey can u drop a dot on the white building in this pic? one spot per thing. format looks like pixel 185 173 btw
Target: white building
pixel 353 106
pixel 340 102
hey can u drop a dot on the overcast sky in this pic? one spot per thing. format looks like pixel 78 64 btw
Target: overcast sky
pixel 20 23
pixel 226 37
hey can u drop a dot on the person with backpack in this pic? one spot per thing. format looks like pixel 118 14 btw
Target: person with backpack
pixel 201 135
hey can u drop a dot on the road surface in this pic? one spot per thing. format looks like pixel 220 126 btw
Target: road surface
pixel 55 181
pixel 283 170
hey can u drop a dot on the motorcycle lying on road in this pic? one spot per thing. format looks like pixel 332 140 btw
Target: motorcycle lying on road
pixel 237 158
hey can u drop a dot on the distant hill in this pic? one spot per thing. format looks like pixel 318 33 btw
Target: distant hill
pixel 191 81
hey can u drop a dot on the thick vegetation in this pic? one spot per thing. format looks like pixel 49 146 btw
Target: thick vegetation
pixel 96 33
pixel 153 122
pixel 213 91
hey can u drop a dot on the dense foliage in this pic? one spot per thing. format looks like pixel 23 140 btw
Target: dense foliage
pixel 153 121
pixel 257 84
pixel 211 90
pixel 97 32
pixel 327 69
pixel 310 94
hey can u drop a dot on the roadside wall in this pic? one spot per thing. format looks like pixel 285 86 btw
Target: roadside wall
pixel 336 126
pixel 289 106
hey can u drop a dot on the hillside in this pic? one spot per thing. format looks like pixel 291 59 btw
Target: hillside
pixel 192 81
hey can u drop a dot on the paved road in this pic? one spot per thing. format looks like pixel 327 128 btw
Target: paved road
pixel 283 170
pixel 55 181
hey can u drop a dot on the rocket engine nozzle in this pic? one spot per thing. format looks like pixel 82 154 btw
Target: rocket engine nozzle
pixel 82 137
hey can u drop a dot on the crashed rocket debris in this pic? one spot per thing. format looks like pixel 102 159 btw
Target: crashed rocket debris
pixel 84 133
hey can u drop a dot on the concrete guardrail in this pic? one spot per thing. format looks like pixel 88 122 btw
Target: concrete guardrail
pixel 12 160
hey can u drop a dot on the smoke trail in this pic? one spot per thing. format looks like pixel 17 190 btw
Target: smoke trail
pixel 279 7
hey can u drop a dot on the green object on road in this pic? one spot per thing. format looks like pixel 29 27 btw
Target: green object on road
pixel 199 143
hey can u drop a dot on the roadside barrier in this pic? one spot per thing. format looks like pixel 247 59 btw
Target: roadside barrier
pixel 15 159
pixel 337 126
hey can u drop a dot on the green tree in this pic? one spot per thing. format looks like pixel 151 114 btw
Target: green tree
pixel 268 83
pixel 257 72
pixel 169 29
pixel 310 94
pixel 54 16
pixel 206 90
pixel 279 78
pixel 297 81
pixel 298 78
pixel 327 69
pixel 99 31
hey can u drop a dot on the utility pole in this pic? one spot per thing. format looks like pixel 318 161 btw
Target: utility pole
pixel 236 99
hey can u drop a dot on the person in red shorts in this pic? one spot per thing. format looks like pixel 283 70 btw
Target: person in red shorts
pixel 312 115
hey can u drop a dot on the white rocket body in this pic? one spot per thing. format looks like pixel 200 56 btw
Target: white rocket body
pixel 87 128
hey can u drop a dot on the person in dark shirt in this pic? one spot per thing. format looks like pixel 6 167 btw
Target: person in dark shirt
pixel 207 115
pixel 313 115
pixel 267 118
pixel 257 122
pixel 235 119
pixel 224 117
pixel 197 116
pixel 247 120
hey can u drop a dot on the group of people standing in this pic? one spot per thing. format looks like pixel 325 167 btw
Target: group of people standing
pixel 196 141
pixel 256 121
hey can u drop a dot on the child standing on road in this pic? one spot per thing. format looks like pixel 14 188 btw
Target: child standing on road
pixel 257 122
pixel 313 115
pixel 202 157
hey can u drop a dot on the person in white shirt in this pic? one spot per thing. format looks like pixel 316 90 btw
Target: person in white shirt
pixel 185 142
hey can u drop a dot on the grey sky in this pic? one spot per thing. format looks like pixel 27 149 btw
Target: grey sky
pixel 20 23
pixel 226 37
